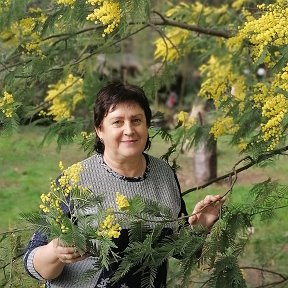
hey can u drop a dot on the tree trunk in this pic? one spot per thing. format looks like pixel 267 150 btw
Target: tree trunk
pixel 204 160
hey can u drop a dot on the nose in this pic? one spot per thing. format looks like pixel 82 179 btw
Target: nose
pixel 128 128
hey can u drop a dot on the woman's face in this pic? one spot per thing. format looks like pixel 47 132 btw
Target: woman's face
pixel 124 131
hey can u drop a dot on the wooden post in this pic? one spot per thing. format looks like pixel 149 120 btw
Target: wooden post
pixel 204 158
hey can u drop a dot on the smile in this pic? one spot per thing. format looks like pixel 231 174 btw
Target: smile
pixel 129 141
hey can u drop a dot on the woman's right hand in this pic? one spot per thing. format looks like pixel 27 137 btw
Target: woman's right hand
pixel 50 259
pixel 66 254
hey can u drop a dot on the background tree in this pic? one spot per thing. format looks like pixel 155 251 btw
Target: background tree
pixel 55 55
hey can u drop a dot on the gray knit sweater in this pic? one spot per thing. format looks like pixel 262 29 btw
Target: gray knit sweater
pixel 159 183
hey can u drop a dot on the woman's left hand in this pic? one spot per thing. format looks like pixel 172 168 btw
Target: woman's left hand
pixel 206 212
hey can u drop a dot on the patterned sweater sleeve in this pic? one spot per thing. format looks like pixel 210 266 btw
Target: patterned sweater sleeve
pixel 38 239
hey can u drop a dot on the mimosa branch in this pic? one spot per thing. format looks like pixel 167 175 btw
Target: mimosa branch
pixel 261 158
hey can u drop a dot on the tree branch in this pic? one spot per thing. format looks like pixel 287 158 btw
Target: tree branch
pixel 110 45
pixel 265 270
pixel 268 209
pixel 11 261
pixel 253 162
pixel 207 31
pixel 272 284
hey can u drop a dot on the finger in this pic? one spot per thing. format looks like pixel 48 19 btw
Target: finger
pixel 69 250
pixel 63 258
pixel 222 199
pixel 66 257
pixel 70 258
pixel 192 219
pixel 55 242
pixel 198 207
pixel 211 198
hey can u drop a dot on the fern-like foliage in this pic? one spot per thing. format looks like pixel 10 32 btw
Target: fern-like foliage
pixel 227 273
pixel 64 131
pixel 8 125
pixel 138 231
pixel 157 210
pixel 39 221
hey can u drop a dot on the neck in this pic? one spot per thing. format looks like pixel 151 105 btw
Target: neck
pixel 130 168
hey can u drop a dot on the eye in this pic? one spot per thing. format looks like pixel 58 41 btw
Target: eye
pixel 137 120
pixel 117 123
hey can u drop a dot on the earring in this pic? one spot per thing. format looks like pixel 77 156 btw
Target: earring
pixel 101 140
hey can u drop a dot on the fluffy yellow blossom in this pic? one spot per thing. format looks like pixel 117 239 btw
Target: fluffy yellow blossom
pixel 64 97
pixel 185 120
pixel 64 229
pixel 274 111
pixel 215 85
pixel 193 10
pixel 281 80
pixel 242 145
pixel 108 12
pixel 84 134
pixel 273 105
pixel 70 177
pixel 44 208
pixel 224 126
pixel 42 113
pixel 121 201
pixel 33 47
pixel 28 31
pixel 238 4
pixel 87 136
pixel 260 94
pixel 239 91
pixel 173 45
pixel 45 198
pixel 219 76
pixel 50 201
pixel 169 48
pixel 74 172
pixel 6 104
pixel 267 30
pixel 27 25
pixel 5 5
pixel 239 88
pixel 66 2
pixel 109 228
pixel 61 166
pixel 7 98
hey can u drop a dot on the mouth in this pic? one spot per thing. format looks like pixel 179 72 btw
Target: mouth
pixel 129 141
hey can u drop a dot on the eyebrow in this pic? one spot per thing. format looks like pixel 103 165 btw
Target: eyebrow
pixel 133 116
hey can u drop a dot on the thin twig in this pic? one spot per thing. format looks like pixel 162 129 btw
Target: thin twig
pixel 15 231
pixel 13 65
pixel 253 162
pixel 207 31
pixel 110 45
pixel 11 261
pixel 285 277
pixel 269 209
pixel 170 220
pixel 272 284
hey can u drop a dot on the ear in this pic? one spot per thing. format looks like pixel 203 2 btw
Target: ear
pixel 99 131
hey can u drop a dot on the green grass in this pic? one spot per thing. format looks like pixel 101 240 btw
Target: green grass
pixel 26 170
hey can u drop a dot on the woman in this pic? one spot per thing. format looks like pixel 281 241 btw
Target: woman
pixel 121 118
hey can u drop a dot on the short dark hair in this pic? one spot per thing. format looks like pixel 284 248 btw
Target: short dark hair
pixel 113 94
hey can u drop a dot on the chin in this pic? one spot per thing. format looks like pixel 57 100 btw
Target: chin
pixel 132 153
